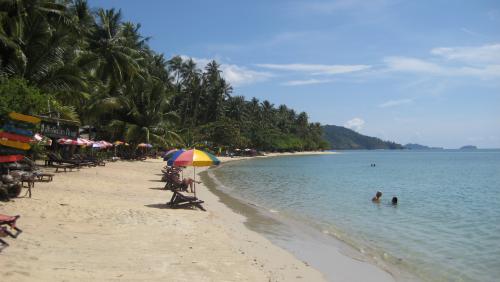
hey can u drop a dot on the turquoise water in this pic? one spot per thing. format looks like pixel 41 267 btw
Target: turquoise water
pixel 446 226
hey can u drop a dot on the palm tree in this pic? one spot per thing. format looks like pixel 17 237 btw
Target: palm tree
pixel 36 44
pixel 142 115
pixel 267 113
pixel 235 109
pixel 111 57
pixel 217 90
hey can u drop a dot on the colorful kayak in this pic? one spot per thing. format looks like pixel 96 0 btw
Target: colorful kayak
pixel 10 151
pixel 20 124
pixel 20 131
pixel 25 118
pixel 15 144
pixel 11 158
pixel 14 137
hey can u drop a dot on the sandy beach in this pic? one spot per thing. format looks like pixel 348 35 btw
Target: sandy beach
pixel 111 223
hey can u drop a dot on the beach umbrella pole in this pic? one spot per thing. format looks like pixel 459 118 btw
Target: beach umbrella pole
pixel 194 179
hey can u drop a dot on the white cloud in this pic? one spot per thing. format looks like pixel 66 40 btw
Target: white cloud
pixel 355 123
pixel 237 75
pixel 485 54
pixel 471 32
pixel 306 82
pixel 234 74
pixel 326 7
pixel 408 64
pixel 315 69
pixel 479 61
pixel 393 103
pixel 412 65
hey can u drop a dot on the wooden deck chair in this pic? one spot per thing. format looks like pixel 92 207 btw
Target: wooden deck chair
pixel 180 200
pixel 10 221
pixel 3 244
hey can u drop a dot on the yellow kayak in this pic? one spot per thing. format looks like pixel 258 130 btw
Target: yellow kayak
pixel 15 144
pixel 25 118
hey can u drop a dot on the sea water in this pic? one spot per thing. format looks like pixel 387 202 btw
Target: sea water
pixel 446 226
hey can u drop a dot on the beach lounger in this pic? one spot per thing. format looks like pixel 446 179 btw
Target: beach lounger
pixel 65 167
pixel 3 244
pixel 180 200
pixel 55 159
pixel 44 177
pixel 10 221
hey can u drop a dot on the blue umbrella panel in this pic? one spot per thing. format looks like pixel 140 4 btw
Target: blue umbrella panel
pixel 173 157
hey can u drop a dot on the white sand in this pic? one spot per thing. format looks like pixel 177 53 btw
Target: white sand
pixel 111 223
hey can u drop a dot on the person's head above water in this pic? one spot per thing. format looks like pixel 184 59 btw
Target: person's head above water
pixel 377 197
pixel 394 200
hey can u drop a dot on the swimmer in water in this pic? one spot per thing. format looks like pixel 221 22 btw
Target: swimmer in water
pixel 376 199
pixel 394 201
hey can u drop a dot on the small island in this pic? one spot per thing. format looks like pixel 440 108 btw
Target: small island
pixel 411 146
pixel 468 147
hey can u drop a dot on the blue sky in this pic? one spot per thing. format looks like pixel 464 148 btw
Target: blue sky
pixel 424 72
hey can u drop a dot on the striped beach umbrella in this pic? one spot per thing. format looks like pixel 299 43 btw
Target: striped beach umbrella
pixel 101 144
pixel 169 152
pixel 66 141
pixel 83 142
pixel 77 142
pixel 172 155
pixel 195 158
pixel 144 145
pixel 106 144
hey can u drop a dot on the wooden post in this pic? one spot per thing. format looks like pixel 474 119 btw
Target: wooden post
pixel 194 179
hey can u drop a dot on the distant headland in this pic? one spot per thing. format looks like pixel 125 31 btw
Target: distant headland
pixel 413 146
pixel 341 138
pixel 468 147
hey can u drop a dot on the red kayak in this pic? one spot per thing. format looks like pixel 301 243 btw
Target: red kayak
pixel 14 137
pixel 11 158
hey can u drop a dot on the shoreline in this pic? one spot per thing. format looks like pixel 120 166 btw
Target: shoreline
pixel 327 246
pixel 110 223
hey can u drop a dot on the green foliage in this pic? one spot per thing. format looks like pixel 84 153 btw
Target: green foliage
pixel 17 96
pixel 223 132
pixel 341 138
pixel 95 68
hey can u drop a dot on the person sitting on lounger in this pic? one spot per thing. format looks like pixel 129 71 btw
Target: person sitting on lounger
pixel 189 182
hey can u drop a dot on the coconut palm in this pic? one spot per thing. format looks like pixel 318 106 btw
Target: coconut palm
pixel 110 55
pixel 37 46
pixel 142 115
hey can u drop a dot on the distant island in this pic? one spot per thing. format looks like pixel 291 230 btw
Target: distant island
pixel 341 138
pixel 412 146
pixel 468 147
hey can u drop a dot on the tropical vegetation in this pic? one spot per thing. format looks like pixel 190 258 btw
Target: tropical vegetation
pixel 92 66
pixel 341 138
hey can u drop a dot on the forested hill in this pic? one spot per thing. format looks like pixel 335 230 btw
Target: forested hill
pixel 341 138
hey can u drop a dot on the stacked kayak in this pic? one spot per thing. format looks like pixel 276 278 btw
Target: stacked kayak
pixel 15 136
